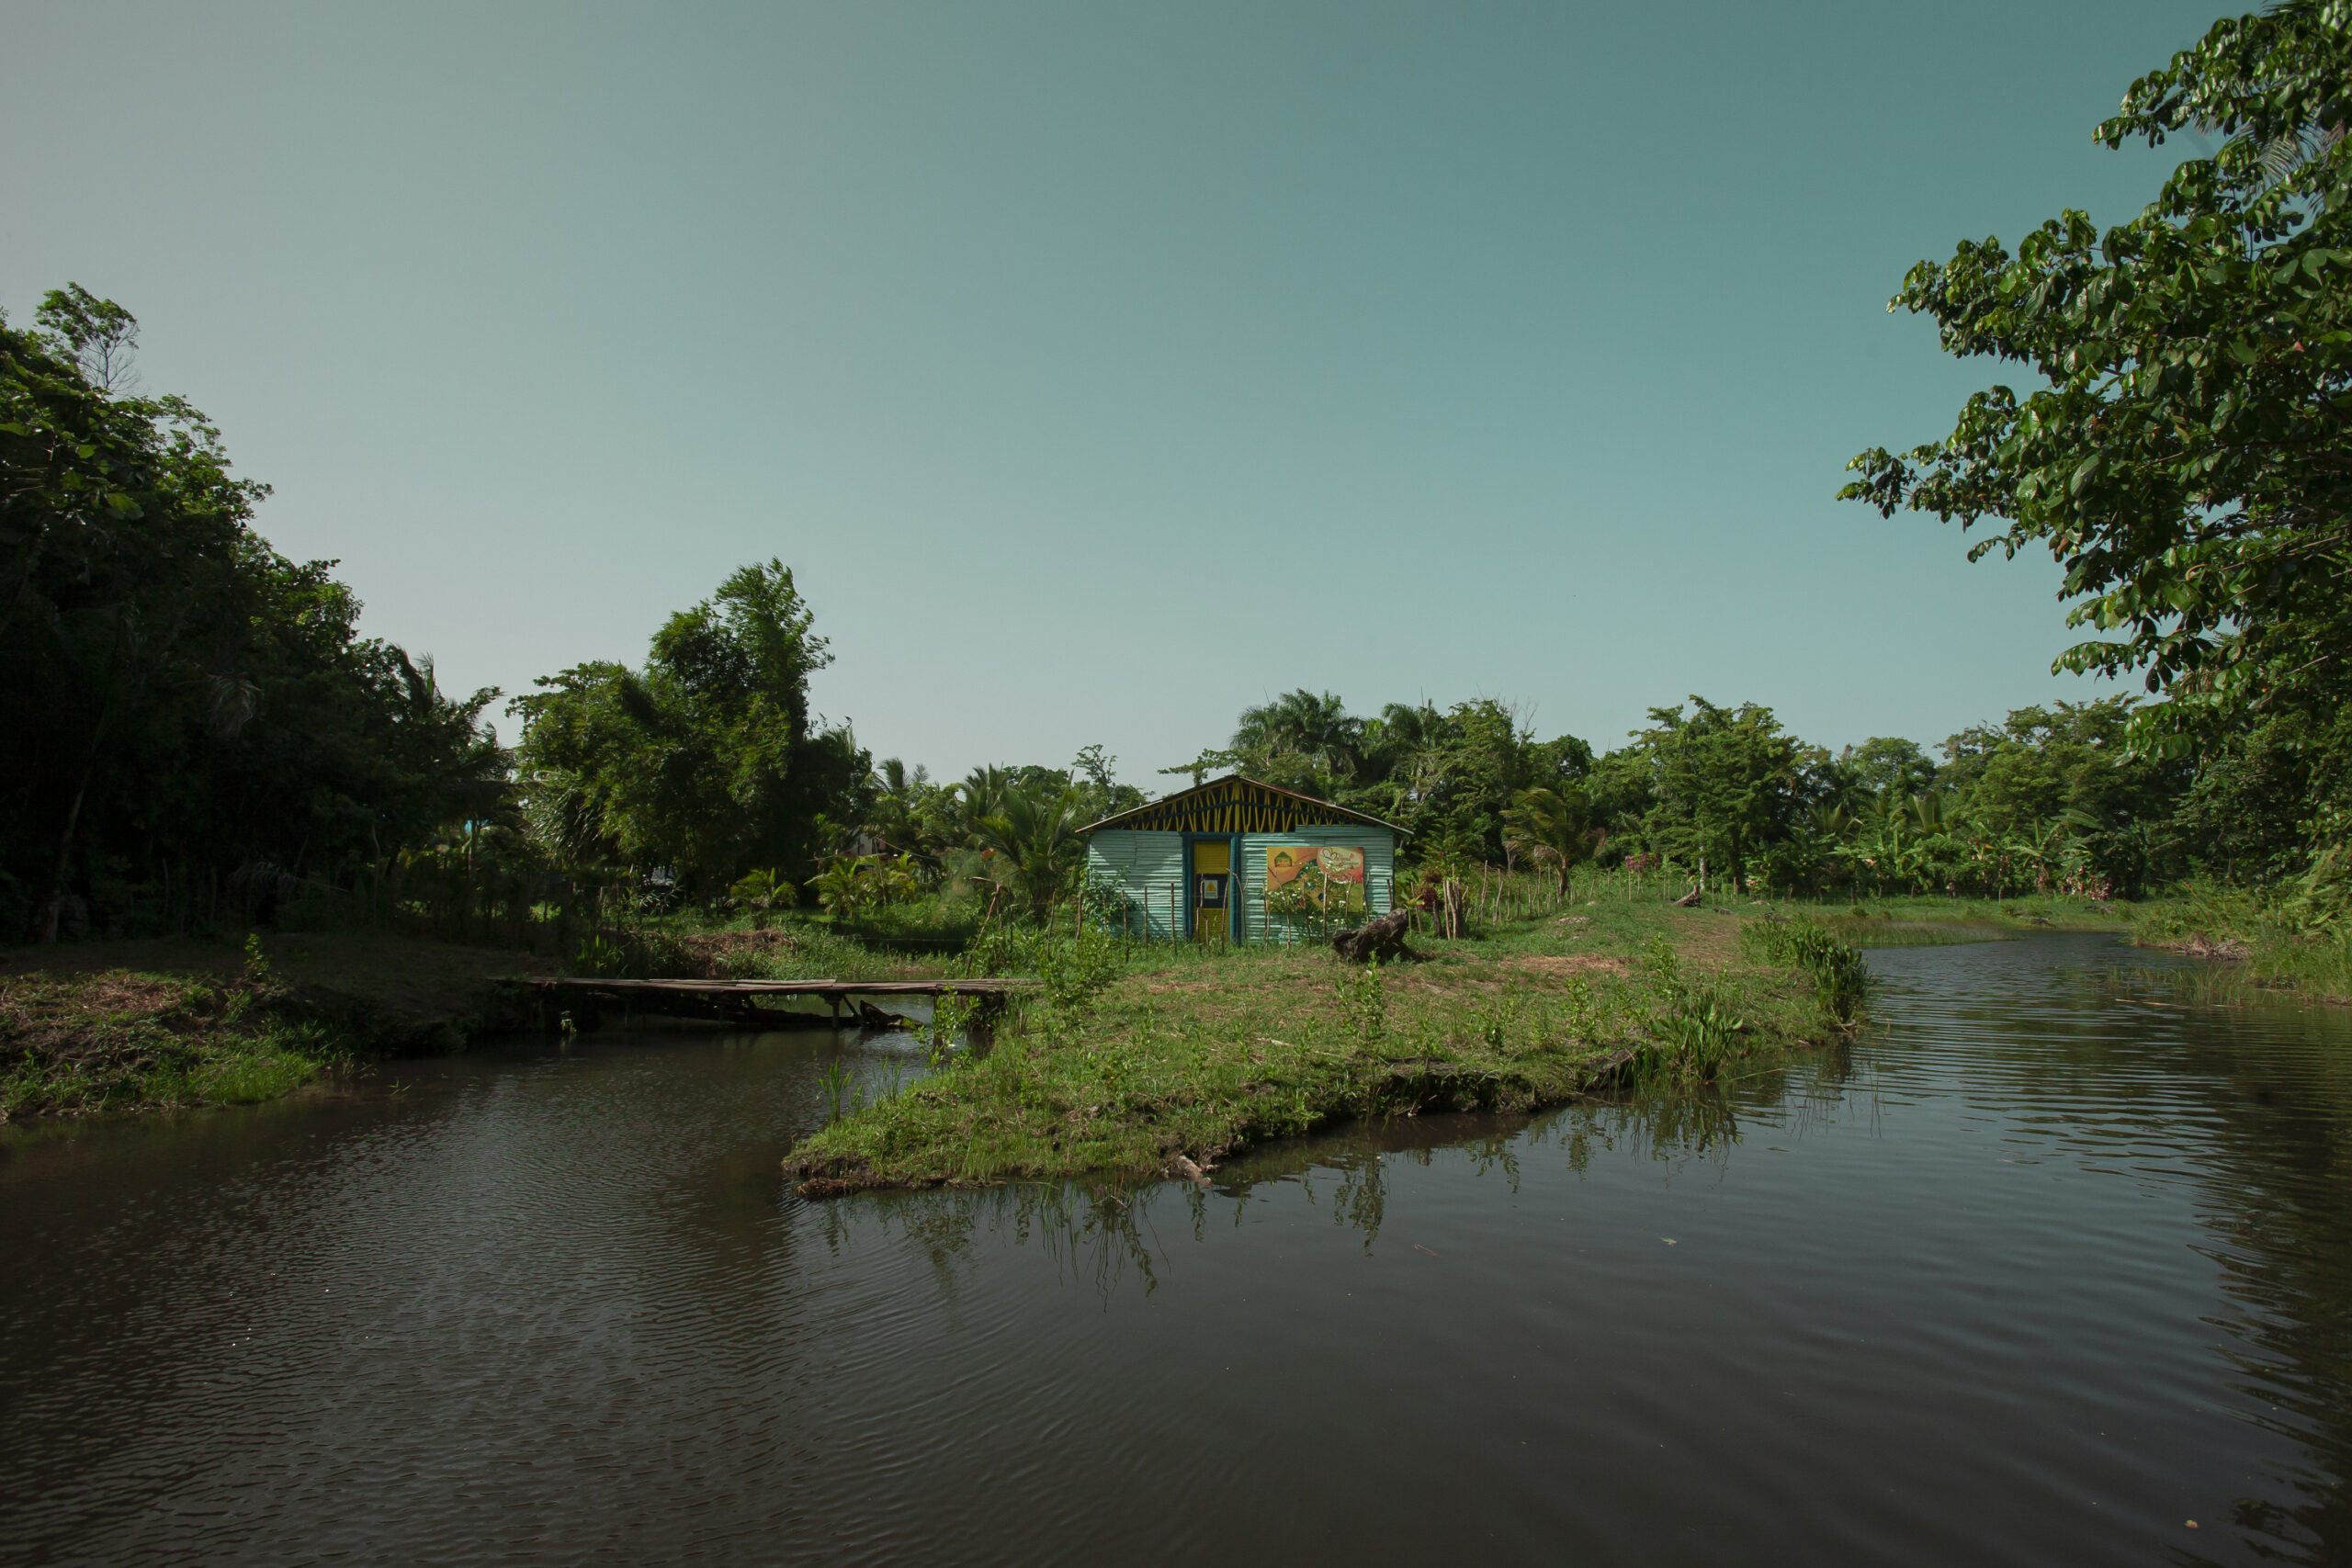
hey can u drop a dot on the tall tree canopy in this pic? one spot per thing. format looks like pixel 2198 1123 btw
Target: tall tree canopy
pixel 2186 457
pixel 1725 783
pixel 182 701
pixel 706 760
pixel 1446 776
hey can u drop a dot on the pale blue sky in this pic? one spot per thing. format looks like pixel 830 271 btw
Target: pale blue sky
pixel 1098 368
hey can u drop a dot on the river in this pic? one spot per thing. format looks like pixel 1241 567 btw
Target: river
pixel 2055 1260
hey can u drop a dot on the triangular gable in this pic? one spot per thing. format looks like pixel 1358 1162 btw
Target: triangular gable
pixel 1238 804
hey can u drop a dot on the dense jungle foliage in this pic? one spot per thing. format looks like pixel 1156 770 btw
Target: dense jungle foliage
pixel 2186 457
pixel 202 736
pixel 215 744
pixel 195 723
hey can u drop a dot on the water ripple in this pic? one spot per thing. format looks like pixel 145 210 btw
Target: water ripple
pixel 2050 1263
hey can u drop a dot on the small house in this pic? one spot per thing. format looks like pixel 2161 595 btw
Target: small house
pixel 1237 860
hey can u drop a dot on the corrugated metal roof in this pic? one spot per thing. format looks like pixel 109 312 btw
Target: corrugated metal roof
pixel 1236 805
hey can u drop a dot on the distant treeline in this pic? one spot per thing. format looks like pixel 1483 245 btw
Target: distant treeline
pixel 198 734
pixel 2053 797
pixel 200 737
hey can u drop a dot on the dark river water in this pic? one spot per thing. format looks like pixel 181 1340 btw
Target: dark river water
pixel 2054 1262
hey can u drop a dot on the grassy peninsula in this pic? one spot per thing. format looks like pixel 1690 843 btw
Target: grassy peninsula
pixel 1132 1063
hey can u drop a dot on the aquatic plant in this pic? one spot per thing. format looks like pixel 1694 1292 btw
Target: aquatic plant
pixel 1703 1033
pixel 1840 976
pixel 835 1079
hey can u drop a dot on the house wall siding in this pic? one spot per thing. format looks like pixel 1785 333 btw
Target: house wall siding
pixel 1151 867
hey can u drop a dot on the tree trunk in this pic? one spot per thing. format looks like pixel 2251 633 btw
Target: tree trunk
pixel 1383 939
pixel 46 911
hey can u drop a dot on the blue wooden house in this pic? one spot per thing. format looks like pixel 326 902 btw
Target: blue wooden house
pixel 1199 864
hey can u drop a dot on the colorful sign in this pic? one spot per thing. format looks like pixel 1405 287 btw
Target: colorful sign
pixel 1285 863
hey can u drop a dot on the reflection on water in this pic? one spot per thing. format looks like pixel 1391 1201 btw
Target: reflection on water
pixel 2051 1264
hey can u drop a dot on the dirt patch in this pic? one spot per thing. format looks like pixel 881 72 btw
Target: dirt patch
pixel 723 955
pixel 1707 935
pixel 1570 963
pixel 66 1019
pixel 2226 950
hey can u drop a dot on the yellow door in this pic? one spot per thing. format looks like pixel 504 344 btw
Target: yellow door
pixel 1211 888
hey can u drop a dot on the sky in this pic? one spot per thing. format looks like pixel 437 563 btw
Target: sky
pixel 1099 369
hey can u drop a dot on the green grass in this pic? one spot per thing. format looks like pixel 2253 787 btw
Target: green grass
pixel 117 1041
pixel 2317 965
pixel 1916 920
pixel 1130 1060
pixel 789 949
pixel 163 1024
pixel 2256 928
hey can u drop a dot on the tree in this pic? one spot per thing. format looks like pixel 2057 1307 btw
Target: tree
pixel 98 335
pixel 1884 765
pixel 896 816
pixel 708 759
pixel 1300 724
pixel 1094 775
pixel 181 700
pixel 1727 782
pixel 1037 843
pixel 1554 827
pixel 2185 458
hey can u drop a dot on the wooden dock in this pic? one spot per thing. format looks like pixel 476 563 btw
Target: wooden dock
pixel 585 997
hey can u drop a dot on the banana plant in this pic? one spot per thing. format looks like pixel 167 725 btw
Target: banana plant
pixel 843 887
pixel 2042 845
pixel 765 892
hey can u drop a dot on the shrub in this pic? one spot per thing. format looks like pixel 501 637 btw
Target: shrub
pixel 1841 978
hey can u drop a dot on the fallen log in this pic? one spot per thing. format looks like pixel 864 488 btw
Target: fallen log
pixel 1383 939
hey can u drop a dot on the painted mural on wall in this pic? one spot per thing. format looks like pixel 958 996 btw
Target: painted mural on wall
pixel 1285 863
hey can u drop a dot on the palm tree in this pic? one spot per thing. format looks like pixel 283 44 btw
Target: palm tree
pixel 1301 724
pixel 980 796
pixel 1036 844
pixel 840 888
pixel 891 819
pixel 1554 827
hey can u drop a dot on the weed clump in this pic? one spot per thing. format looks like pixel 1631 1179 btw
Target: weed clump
pixel 1840 976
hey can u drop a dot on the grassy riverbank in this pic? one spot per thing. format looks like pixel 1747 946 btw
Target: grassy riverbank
pixel 2270 936
pixel 2277 943
pixel 1131 1064
pixel 1922 920
pixel 160 1025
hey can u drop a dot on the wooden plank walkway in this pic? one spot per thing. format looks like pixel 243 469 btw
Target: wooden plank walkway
pixel 824 990
pixel 581 1000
